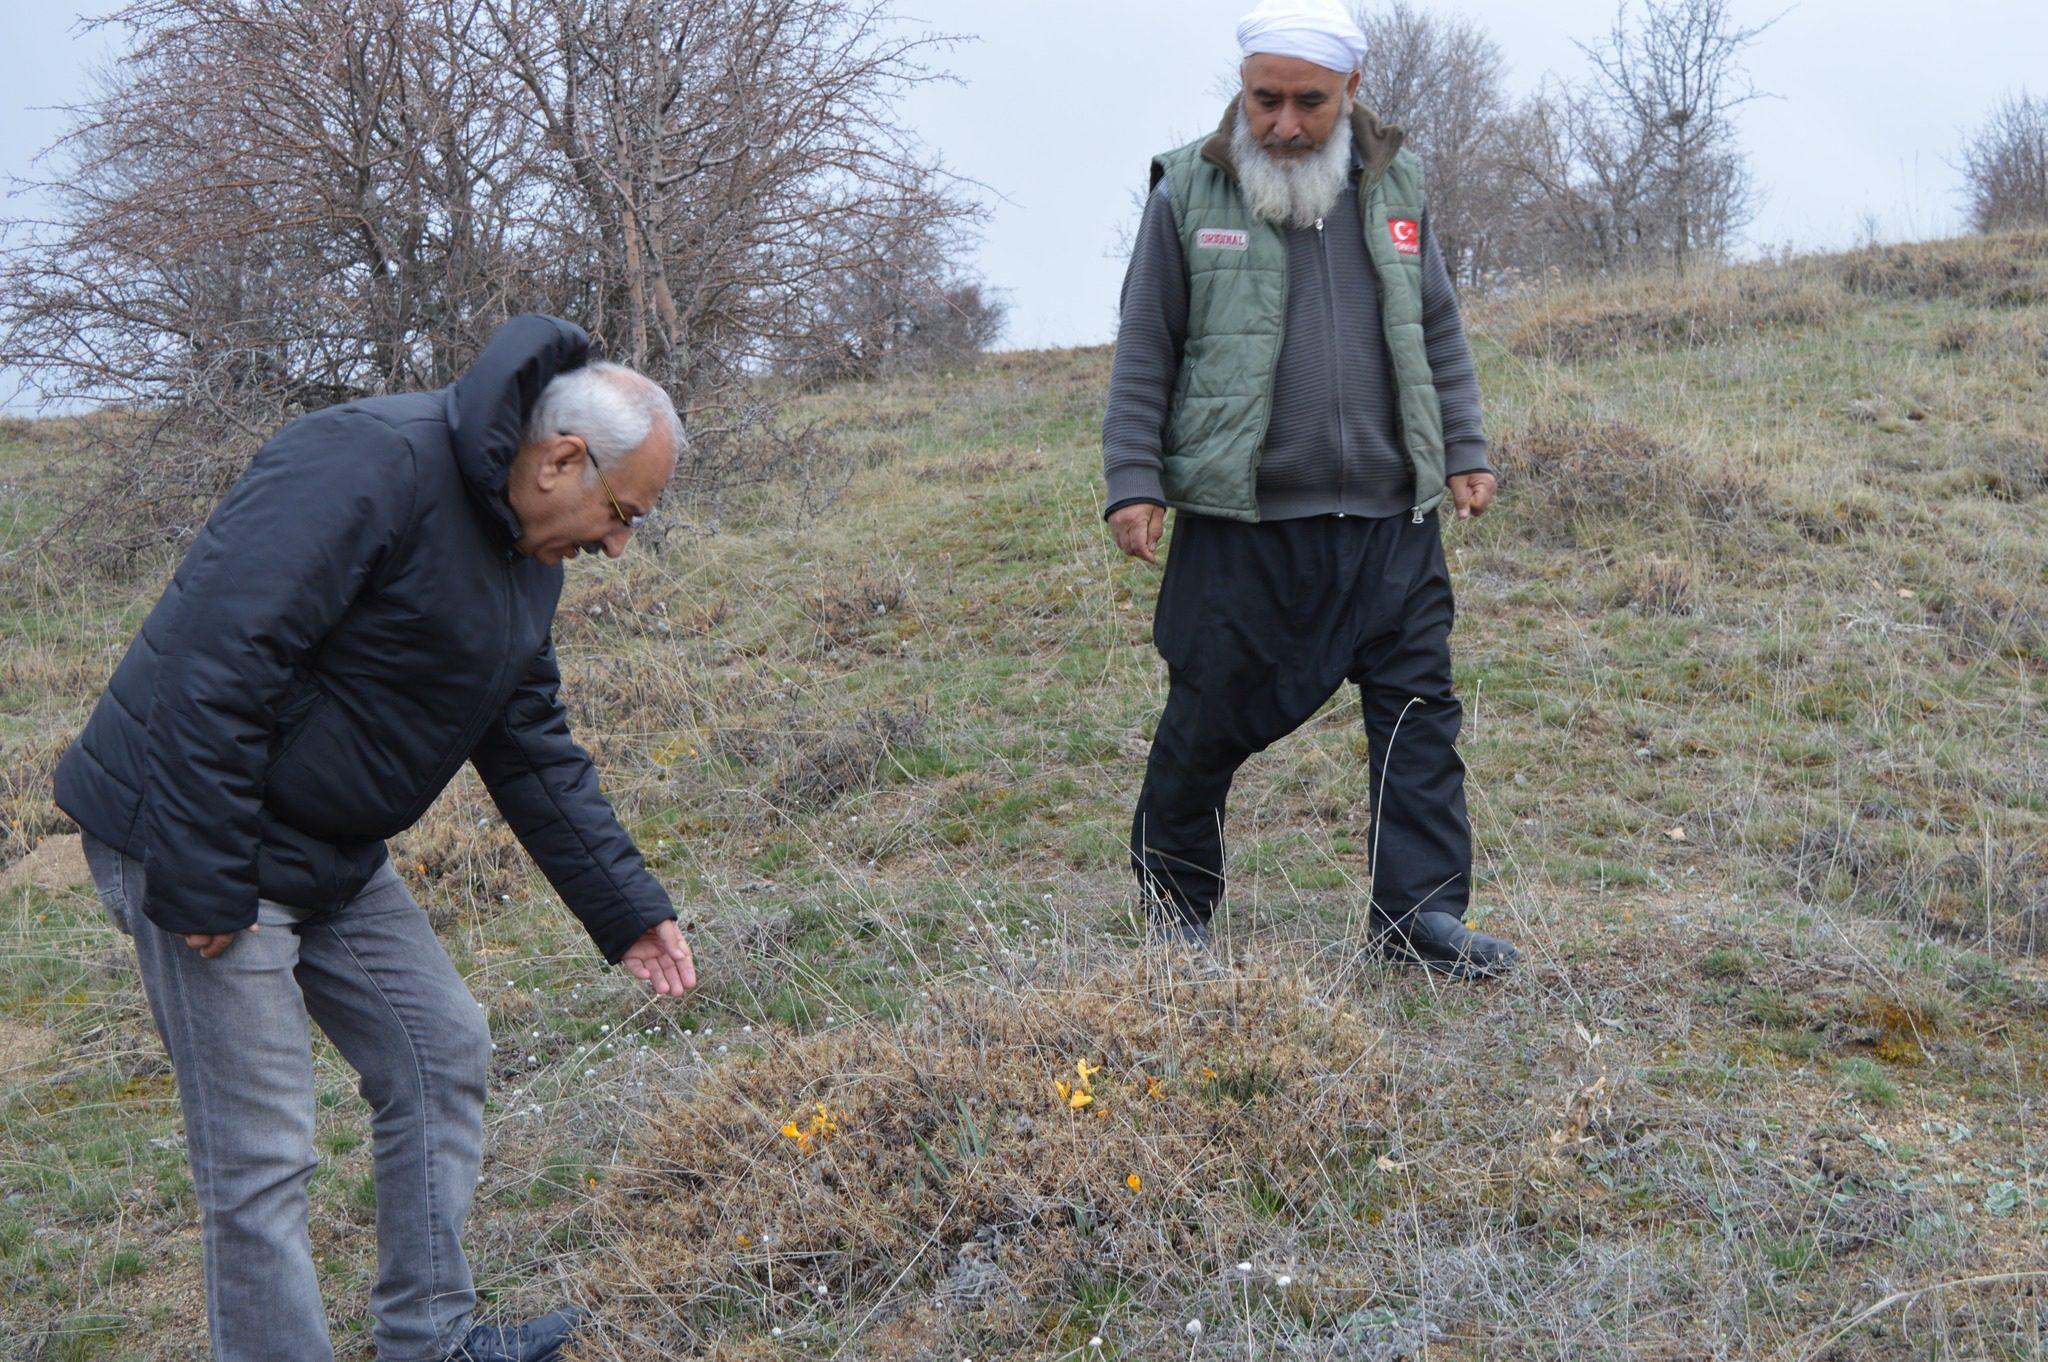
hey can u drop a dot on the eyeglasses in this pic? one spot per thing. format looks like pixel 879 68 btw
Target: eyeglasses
pixel 631 522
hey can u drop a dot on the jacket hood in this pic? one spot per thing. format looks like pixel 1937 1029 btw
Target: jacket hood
pixel 489 404
pixel 1373 143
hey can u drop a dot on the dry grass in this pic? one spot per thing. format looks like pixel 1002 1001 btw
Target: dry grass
pixel 2001 271
pixel 1579 479
pixel 1655 313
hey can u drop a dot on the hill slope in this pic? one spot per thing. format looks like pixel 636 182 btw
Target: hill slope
pixel 1753 652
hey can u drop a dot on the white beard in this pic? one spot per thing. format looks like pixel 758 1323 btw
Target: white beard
pixel 1291 193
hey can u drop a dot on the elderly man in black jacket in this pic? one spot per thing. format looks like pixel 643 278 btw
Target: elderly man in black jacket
pixel 368 608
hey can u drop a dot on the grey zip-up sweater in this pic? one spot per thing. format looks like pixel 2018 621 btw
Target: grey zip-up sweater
pixel 1334 374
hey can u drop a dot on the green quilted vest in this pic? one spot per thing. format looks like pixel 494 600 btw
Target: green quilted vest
pixel 1237 309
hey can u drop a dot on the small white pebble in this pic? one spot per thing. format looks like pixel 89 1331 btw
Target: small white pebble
pixel 722 1049
pixel 1095 1342
pixel 747 1030
pixel 1283 1281
pixel 1244 1267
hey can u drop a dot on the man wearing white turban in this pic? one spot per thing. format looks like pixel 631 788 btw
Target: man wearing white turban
pixel 1292 378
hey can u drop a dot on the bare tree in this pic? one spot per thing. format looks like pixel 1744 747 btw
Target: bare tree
pixel 906 308
pixel 1442 79
pixel 1666 85
pixel 265 208
pixel 2005 167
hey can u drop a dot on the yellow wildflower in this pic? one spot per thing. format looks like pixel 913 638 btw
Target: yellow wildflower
pixel 1134 1182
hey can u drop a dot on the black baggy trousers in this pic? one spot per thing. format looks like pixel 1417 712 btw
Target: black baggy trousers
pixel 1259 625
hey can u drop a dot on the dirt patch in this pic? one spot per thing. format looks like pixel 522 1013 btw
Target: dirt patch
pixel 54 863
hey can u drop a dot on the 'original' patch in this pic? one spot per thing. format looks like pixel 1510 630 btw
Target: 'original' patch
pixel 1219 239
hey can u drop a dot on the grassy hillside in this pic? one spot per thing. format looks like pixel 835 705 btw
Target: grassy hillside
pixel 1753 649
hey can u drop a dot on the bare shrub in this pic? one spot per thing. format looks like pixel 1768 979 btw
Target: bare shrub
pixel 1994 273
pixel 2005 166
pixel 1653 584
pixel 2012 468
pixel 1984 616
pixel 462 860
pixel 909 310
pixel 935 1170
pixel 266 209
pixel 1575 478
pixel 845 611
pixel 1994 899
pixel 819 772
pixel 1959 338
pixel 28 812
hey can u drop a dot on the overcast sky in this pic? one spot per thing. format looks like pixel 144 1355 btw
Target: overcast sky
pixel 1061 104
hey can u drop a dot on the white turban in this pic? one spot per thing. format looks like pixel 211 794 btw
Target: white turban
pixel 1316 31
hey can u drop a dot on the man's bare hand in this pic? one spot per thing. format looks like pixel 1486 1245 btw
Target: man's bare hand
pixel 210 944
pixel 661 959
pixel 1137 528
pixel 1472 493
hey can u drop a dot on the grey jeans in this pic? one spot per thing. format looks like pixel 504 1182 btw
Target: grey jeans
pixel 375 978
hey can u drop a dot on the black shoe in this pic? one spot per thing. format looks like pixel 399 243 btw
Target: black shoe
pixel 1441 943
pixel 1194 936
pixel 537 1340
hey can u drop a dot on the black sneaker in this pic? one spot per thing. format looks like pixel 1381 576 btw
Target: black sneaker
pixel 537 1340
pixel 1439 942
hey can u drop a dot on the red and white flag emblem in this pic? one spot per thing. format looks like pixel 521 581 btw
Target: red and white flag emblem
pixel 1407 235
pixel 1223 240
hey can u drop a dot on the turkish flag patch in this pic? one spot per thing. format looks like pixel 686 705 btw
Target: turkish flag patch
pixel 1407 234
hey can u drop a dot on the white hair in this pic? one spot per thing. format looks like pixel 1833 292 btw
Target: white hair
pixel 612 407
pixel 1291 193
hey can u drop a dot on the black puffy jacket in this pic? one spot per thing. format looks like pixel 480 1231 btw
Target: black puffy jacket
pixel 349 627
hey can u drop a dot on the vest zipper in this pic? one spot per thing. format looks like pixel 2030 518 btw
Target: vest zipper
pixel 1272 384
pixel 1336 369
